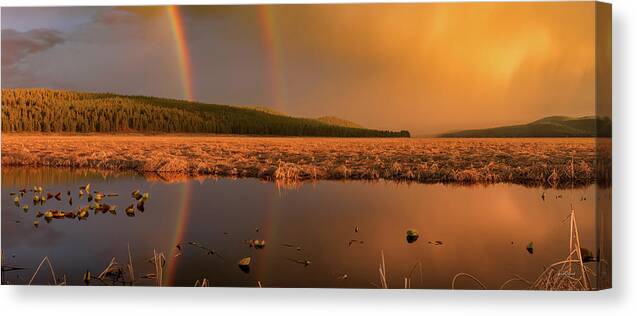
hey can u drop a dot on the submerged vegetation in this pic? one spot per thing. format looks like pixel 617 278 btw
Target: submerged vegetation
pixel 574 273
pixel 533 162
pixel 44 110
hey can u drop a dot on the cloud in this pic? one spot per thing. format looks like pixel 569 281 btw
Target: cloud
pixel 115 17
pixel 422 67
pixel 18 45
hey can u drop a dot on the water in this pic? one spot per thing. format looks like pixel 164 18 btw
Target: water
pixel 484 230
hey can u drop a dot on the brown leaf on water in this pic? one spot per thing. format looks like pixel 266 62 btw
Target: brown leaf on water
pixel 530 248
pixel 140 206
pixel 130 210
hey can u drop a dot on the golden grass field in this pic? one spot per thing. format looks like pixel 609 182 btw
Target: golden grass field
pixel 537 162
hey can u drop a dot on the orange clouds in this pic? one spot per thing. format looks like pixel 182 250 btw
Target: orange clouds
pixel 428 68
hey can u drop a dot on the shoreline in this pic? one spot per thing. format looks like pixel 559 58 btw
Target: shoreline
pixel 530 162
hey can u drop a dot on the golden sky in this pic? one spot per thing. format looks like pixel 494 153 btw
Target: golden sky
pixel 426 68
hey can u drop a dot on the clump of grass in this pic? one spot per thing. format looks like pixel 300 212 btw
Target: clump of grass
pixel 570 274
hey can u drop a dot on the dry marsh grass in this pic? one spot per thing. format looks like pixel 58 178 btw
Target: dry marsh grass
pixel 534 162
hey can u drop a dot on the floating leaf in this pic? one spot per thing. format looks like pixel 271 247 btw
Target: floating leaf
pixel 36 224
pixel 244 264
pixel 355 241
pixel 530 247
pixel 82 213
pixel 137 195
pixel 140 206
pixel 412 235
pixel 259 244
pixel 130 210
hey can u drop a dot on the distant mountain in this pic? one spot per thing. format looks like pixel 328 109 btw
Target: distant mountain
pixel 61 111
pixel 552 126
pixel 333 120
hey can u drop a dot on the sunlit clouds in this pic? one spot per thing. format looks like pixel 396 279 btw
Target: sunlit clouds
pixel 427 68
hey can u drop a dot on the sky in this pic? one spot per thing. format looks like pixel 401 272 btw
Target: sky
pixel 426 68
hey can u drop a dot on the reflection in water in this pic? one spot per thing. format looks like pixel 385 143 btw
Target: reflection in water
pixel 323 234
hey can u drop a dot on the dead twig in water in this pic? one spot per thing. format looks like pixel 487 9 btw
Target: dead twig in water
pixel 453 282
pixel 382 271
pixel 40 266
pixel 130 266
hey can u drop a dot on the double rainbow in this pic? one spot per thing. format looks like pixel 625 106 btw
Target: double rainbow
pixel 273 53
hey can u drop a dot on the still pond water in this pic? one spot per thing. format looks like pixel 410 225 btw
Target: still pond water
pixel 481 230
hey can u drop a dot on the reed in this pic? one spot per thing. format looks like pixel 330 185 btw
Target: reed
pixel 570 274
pixel 45 259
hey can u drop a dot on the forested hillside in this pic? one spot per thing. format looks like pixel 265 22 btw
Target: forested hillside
pixel 45 110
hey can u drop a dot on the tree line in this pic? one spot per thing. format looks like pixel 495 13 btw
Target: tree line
pixel 46 110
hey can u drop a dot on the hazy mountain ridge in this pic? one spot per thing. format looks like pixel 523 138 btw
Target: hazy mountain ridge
pixel 552 126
